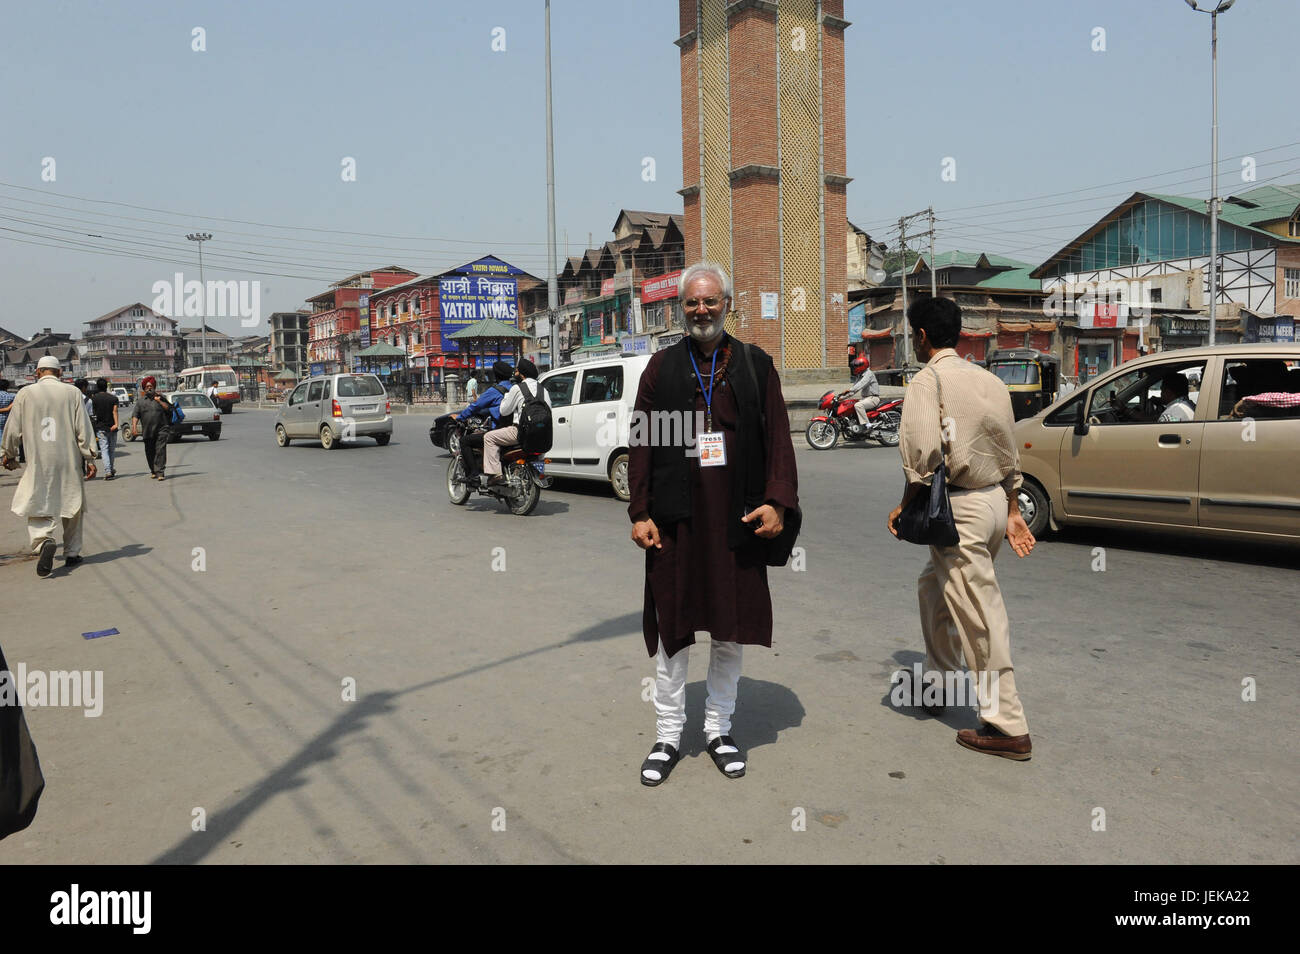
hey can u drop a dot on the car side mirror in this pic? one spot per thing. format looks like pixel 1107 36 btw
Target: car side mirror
pixel 1081 425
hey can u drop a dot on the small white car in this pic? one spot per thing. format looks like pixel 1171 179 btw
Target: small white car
pixel 589 402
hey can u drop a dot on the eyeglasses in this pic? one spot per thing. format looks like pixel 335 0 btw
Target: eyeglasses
pixel 691 304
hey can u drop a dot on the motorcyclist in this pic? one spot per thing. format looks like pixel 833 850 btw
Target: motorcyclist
pixel 867 385
pixel 488 403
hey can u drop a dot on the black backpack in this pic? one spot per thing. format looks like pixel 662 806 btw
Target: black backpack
pixel 534 420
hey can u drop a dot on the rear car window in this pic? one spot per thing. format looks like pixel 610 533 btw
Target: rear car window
pixel 359 385
pixel 192 400
pixel 602 384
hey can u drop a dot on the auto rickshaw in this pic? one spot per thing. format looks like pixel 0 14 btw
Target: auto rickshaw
pixel 1031 376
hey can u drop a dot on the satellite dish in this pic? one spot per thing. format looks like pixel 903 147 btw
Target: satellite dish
pixel 877 275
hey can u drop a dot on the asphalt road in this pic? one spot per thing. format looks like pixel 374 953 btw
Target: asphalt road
pixel 512 699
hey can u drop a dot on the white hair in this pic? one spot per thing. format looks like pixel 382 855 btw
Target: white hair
pixel 700 269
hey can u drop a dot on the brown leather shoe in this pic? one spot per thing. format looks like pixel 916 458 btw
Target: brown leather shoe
pixel 995 742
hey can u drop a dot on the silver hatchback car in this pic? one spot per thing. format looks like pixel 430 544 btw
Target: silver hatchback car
pixel 335 408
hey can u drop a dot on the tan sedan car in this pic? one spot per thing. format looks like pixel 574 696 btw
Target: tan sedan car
pixel 1203 440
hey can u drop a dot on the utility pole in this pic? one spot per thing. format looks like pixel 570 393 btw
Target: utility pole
pixel 552 280
pixel 907 337
pixel 903 222
pixel 934 281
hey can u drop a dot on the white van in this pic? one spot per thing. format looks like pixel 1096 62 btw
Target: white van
pixel 591 410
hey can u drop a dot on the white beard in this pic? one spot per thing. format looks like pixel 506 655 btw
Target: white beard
pixel 705 334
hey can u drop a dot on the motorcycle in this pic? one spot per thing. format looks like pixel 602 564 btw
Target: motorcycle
pixel 524 473
pixel 840 419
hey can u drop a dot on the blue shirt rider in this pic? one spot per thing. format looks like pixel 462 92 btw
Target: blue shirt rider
pixel 489 401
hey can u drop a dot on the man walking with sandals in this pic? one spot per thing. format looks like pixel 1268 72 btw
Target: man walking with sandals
pixel 958 404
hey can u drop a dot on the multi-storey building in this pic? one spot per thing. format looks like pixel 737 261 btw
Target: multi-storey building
pixel 200 347
pixel 1156 248
pixel 335 323
pixel 287 345
pixel 130 343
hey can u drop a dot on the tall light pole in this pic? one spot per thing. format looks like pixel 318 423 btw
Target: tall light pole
pixel 1214 152
pixel 202 237
pixel 552 277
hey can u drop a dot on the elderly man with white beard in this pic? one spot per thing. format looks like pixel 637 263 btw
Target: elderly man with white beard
pixel 49 421
pixel 710 517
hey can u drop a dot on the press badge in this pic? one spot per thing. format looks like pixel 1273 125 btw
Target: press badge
pixel 713 449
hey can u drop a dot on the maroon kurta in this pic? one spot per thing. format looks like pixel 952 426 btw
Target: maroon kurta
pixel 696 583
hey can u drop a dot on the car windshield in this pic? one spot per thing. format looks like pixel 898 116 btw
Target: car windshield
pixel 1016 373
pixel 191 400
pixel 359 385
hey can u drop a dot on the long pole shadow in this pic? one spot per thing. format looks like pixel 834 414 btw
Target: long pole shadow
pixel 323 746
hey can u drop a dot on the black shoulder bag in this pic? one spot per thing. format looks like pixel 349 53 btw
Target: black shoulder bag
pixel 779 547
pixel 927 518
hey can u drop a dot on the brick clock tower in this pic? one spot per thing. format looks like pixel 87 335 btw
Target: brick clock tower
pixel 763 168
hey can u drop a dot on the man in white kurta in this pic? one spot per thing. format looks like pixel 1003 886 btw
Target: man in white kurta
pixel 49 420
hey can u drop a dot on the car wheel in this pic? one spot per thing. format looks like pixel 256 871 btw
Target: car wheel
pixel 214 435
pixel 618 477
pixel 281 435
pixel 383 439
pixel 453 442
pixel 1035 507
pixel 327 438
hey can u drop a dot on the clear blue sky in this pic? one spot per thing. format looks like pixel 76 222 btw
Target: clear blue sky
pixel 449 135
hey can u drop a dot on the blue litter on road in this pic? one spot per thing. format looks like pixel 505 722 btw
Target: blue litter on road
pixel 102 632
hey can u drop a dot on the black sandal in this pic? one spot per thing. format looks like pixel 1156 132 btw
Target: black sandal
pixel 663 766
pixel 726 758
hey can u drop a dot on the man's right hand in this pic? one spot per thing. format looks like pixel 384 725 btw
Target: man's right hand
pixel 645 534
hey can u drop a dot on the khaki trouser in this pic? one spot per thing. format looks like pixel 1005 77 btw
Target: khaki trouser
pixel 865 405
pixel 40 529
pixel 962 613
pixel 492 443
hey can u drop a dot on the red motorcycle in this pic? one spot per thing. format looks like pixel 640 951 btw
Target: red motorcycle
pixel 838 418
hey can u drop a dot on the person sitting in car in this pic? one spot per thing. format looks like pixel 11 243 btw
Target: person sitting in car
pixel 1178 406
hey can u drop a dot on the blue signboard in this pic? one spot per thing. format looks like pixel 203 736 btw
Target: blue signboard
pixel 465 299
pixel 857 321
pixel 317 369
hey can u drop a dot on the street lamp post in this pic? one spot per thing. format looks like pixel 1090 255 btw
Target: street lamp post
pixel 552 281
pixel 202 237
pixel 1214 153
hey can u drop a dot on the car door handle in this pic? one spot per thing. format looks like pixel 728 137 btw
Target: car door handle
pixel 559 420
pixel 1170 440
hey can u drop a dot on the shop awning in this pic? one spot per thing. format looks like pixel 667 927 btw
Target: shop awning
pixel 882 333
pixel 1020 327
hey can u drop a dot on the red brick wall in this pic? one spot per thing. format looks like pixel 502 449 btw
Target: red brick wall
pixel 752 66
pixel 690 137
pixel 688 14
pixel 756 246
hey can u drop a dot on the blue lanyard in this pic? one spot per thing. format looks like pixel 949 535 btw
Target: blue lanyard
pixel 708 395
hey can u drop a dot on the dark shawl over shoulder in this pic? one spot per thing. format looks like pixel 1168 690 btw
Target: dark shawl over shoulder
pixel 707 578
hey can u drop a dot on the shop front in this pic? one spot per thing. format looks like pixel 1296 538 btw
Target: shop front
pixel 1266 328
pixel 1177 332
